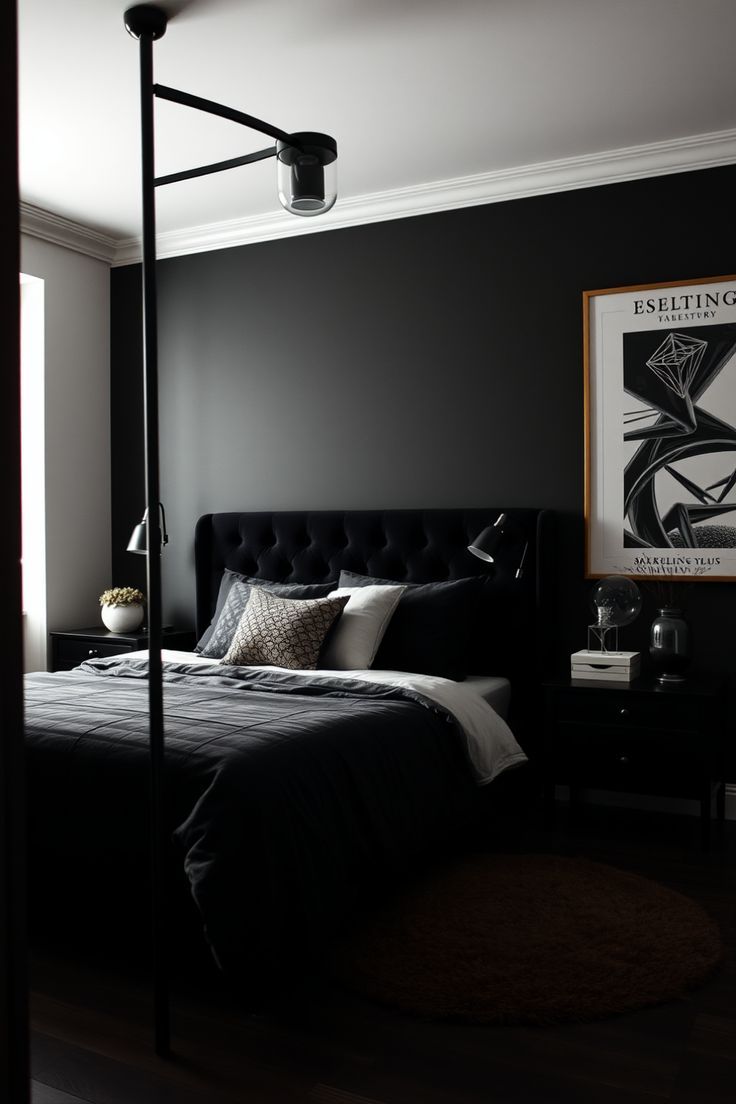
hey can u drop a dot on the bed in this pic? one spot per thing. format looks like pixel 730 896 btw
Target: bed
pixel 293 796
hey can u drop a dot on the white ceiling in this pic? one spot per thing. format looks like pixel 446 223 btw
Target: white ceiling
pixel 416 92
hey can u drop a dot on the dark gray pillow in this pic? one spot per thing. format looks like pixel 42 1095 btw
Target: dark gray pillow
pixel 226 582
pixel 216 639
pixel 431 629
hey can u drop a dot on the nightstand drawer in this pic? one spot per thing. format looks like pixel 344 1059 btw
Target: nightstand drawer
pixel 69 649
pixel 626 708
pixel 637 760
pixel 69 652
pixel 641 737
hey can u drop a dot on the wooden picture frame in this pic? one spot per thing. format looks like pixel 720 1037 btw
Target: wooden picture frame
pixel 660 430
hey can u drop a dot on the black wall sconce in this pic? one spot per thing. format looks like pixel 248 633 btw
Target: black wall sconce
pixel 307 163
pixel 487 543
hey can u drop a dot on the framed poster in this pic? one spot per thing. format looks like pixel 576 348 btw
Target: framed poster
pixel 660 430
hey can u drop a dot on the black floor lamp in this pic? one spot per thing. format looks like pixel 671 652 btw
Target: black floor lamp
pixel 307 186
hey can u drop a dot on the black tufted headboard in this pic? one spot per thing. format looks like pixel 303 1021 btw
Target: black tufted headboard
pixel 416 546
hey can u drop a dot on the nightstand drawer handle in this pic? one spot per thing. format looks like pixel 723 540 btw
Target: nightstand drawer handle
pixel 624 712
pixel 624 760
pixel 93 652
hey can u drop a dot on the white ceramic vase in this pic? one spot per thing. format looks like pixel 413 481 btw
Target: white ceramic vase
pixel 122 619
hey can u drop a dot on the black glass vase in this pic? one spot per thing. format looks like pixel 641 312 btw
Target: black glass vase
pixel 669 645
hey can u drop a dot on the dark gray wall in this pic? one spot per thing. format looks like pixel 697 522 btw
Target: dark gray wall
pixel 431 361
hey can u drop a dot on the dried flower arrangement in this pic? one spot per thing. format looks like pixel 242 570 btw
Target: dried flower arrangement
pixel 121 596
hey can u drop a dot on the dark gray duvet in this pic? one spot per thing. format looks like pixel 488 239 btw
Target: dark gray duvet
pixel 286 802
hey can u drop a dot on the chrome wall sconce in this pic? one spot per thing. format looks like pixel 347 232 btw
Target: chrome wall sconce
pixel 139 537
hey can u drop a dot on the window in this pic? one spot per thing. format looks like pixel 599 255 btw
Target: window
pixel 32 470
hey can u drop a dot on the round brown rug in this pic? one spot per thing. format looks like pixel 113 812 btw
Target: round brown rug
pixel 530 939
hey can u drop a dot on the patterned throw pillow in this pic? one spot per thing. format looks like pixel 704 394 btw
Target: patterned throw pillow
pixel 223 632
pixel 282 632
pixel 218 637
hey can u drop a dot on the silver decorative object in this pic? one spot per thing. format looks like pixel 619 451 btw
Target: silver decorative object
pixel 669 645
pixel 616 601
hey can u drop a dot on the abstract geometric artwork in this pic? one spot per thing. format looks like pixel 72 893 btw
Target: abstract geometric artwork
pixel 661 430
pixel 676 361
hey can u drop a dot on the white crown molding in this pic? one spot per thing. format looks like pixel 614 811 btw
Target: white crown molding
pixel 58 230
pixel 700 151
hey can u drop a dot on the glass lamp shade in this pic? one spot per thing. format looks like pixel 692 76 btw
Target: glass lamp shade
pixel 615 600
pixel 307 173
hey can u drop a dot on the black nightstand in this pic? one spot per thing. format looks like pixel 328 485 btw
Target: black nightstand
pixel 69 649
pixel 639 737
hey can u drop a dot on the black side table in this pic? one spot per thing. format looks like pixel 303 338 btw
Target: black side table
pixel 639 737
pixel 69 649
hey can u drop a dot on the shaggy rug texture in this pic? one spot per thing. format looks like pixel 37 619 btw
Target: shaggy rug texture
pixel 530 939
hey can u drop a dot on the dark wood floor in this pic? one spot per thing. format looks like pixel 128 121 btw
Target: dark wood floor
pixel 91 1040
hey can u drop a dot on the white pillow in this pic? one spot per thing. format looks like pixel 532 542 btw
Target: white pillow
pixel 354 640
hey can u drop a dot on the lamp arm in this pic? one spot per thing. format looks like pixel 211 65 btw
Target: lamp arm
pixel 164 534
pixel 212 108
pixel 218 166
pixel 520 568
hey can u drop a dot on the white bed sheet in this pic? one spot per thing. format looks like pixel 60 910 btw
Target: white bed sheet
pixel 495 690
pixel 491 745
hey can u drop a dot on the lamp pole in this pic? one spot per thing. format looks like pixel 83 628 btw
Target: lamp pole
pixel 307 186
pixel 147 23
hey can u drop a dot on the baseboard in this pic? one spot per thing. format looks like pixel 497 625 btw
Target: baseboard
pixel 679 805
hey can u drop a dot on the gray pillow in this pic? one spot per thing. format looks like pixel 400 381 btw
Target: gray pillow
pixel 355 638
pixel 215 641
pixel 431 631
pixel 226 582
pixel 282 632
